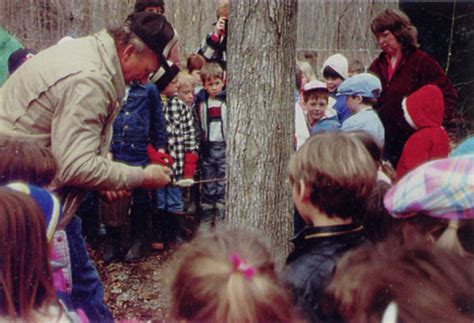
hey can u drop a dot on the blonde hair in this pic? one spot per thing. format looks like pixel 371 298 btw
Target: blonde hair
pixel 186 79
pixel 207 286
pixel 210 71
pixel 339 170
pixel 307 70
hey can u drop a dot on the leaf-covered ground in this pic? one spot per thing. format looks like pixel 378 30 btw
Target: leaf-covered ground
pixel 136 291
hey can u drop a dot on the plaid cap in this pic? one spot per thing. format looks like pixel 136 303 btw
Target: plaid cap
pixel 442 188
pixel 47 202
pixel 365 84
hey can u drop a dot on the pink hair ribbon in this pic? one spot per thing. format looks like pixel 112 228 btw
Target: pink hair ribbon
pixel 242 266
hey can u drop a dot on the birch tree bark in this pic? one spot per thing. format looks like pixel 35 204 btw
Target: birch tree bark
pixel 261 47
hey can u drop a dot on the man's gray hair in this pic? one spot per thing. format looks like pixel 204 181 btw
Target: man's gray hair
pixel 123 37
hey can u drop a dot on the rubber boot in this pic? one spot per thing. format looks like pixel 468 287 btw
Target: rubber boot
pixel 157 236
pixel 134 254
pixel 112 246
pixel 140 225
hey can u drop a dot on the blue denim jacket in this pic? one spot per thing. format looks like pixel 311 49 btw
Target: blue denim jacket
pixel 139 122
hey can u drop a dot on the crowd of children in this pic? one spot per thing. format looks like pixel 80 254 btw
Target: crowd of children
pixel 372 244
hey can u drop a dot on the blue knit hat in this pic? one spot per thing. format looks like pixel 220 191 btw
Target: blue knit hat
pixel 47 202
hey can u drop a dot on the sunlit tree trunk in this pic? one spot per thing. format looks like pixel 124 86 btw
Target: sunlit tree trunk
pixel 260 119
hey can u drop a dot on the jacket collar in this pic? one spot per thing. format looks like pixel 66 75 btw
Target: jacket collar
pixel 320 233
pixel 108 53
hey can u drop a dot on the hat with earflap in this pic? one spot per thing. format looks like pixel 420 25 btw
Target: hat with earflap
pixel 164 76
pixel 339 64
pixel 155 31
pixel 47 202
pixel 141 5
pixel 443 188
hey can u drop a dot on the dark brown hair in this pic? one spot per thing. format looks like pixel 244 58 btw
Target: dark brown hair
pixel 398 23
pixel 208 288
pixel 195 62
pixel 427 284
pixel 27 161
pixel 25 275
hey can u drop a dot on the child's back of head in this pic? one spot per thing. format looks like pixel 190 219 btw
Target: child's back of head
pixel 420 284
pixel 228 277
pixel 25 160
pixel 25 275
pixel 339 170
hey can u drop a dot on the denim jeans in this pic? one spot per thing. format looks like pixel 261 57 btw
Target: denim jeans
pixel 87 289
pixel 170 199
pixel 213 165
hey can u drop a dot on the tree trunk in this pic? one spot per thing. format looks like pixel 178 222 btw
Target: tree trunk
pixel 262 40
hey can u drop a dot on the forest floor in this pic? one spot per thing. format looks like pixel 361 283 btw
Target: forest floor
pixel 136 291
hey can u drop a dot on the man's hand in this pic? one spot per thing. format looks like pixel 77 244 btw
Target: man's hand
pixel 111 196
pixel 156 176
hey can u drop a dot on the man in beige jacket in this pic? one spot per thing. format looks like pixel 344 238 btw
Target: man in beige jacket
pixel 66 97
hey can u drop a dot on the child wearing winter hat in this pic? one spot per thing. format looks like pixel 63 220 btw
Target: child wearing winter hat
pixel 335 70
pixel 315 97
pixel 433 199
pixel 361 92
pixel 423 110
pixel 182 145
pixel 171 51
pixel 26 286
pixel 214 46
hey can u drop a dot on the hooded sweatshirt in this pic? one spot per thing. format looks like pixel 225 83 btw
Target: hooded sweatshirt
pixel 424 110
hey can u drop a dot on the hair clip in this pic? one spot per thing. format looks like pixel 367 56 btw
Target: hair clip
pixel 242 266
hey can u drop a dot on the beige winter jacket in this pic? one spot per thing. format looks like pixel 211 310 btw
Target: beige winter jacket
pixel 67 97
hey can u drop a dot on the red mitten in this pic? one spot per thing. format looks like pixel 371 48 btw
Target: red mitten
pixel 157 157
pixel 190 164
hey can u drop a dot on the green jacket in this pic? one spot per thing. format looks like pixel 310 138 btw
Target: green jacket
pixel 67 97
pixel 8 44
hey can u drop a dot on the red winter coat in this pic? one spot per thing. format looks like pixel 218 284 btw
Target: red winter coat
pixel 430 141
pixel 414 70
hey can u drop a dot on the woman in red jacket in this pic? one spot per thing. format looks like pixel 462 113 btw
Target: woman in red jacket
pixel 403 69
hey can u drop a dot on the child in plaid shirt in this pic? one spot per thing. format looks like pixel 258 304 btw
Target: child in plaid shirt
pixel 183 146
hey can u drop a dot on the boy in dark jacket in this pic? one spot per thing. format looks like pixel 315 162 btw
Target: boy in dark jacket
pixel 332 176
pixel 211 110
